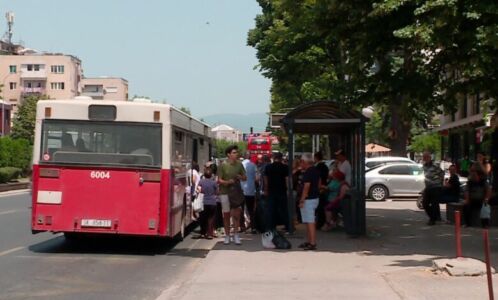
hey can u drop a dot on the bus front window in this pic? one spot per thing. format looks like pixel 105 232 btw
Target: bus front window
pixel 101 143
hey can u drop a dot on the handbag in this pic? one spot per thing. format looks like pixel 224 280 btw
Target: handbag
pixel 198 204
pixel 235 195
pixel 485 211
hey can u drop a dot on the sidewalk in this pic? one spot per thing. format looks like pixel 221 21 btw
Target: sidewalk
pixel 393 262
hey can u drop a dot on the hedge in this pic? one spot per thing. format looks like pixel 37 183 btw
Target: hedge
pixel 15 153
pixel 9 173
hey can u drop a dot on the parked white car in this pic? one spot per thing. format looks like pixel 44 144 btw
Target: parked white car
pixel 394 180
pixel 373 162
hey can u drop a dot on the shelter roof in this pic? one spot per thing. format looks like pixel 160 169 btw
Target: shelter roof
pixel 321 117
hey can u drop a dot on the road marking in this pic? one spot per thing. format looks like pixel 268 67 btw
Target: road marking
pixel 12 211
pixel 10 251
pixel 14 193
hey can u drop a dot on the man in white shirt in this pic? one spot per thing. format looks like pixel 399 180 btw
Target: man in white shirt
pixel 343 164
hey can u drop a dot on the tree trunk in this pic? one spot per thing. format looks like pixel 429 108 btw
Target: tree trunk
pixel 400 128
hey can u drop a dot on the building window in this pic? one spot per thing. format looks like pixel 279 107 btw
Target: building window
pixel 33 67
pixel 477 104
pixel 13 69
pixel 12 85
pixel 57 69
pixel 464 106
pixel 57 85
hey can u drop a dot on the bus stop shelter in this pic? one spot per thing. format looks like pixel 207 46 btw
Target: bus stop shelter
pixel 347 127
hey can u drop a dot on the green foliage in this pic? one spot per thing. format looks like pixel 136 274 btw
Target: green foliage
pixel 15 153
pixel 376 128
pixel 185 110
pixel 9 173
pixel 24 120
pixel 221 145
pixel 423 142
pixel 410 57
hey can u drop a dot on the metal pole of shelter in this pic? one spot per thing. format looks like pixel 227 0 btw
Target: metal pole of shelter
pixel 291 207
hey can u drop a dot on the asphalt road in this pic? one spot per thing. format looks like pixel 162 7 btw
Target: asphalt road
pixel 46 266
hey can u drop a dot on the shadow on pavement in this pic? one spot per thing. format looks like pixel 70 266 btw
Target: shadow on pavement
pixel 390 232
pixel 106 245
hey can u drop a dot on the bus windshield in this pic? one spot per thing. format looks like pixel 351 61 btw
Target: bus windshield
pixel 259 141
pixel 122 144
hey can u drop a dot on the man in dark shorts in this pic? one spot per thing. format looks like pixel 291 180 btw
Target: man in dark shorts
pixel 231 172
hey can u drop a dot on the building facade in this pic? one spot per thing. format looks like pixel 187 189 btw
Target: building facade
pixel 467 131
pixel 56 75
pixel 105 88
pixel 225 132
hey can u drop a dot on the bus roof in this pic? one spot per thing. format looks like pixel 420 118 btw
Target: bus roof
pixel 126 111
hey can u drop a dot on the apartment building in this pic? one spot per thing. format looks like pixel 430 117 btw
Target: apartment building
pixel 55 75
pixel 105 88
pixel 467 131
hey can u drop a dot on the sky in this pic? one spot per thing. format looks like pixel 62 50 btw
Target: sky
pixel 189 53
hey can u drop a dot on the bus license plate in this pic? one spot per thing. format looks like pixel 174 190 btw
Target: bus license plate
pixel 95 223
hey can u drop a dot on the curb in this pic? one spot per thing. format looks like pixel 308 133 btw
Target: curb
pixel 12 186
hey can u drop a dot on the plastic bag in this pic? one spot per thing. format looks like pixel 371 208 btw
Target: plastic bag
pixel 485 211
pixel 280 241
pixel 266 240
pixel 198 204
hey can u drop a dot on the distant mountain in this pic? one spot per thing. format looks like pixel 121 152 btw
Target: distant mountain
pixel 242 122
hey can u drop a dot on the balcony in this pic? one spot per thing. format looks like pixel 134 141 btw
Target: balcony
pixel 94 95
pixel 32 90
pixel 41 74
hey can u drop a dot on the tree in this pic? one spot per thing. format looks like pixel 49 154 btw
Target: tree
pixel 185 110
pixel 423 142
pixel 24 120
pixel 221 145
pixel 460 42
pixel 362 52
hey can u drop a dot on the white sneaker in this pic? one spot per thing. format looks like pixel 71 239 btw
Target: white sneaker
pixel 227 240
pixel 237 240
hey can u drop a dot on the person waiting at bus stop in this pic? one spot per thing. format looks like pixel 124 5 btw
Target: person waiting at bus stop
pixel 434 177
pixel 451 187
pixel 230 174
pixel 308 200
pixel 275 190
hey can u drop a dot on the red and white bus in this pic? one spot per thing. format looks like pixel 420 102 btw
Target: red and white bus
pixel 114 167
pixel 259 144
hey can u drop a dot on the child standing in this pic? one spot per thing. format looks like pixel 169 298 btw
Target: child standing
pixel 209 189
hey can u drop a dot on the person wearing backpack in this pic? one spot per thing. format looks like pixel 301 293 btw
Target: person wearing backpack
pixel 231 195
